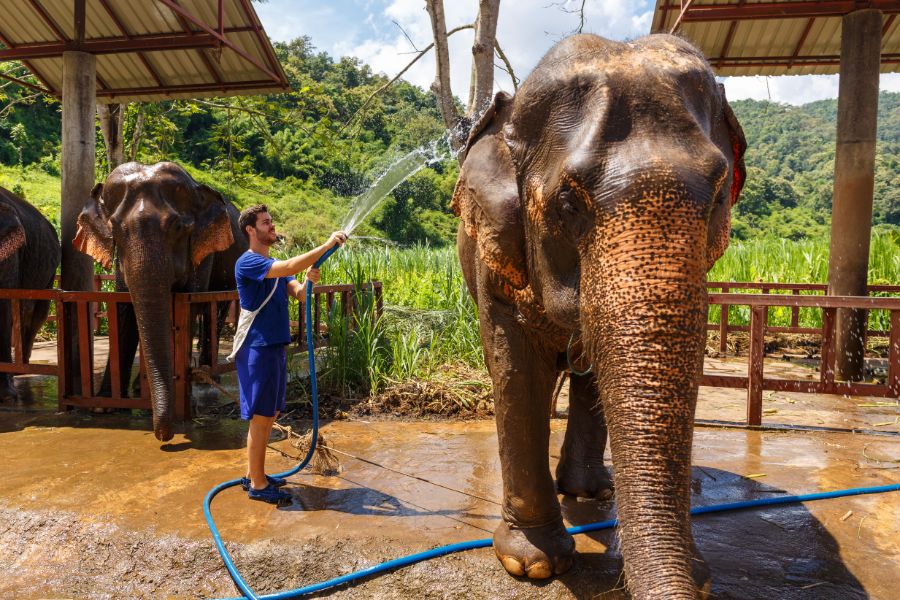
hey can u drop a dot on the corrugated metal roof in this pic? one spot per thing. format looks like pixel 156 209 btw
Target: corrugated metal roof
pixel 805 39
pixel 149 49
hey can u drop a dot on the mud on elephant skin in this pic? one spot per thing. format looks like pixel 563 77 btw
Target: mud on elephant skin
pixel 29 255
pixel 165 233
pixel 592 205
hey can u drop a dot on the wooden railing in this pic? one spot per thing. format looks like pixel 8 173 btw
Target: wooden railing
pixel 756 382
pixel 724 326
pixel 85 306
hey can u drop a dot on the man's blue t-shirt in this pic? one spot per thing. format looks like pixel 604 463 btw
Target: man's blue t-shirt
pixel 272 324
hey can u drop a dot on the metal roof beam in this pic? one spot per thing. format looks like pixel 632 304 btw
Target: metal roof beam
pixel 781 10
pixel 28 65
pixel 24 83
pixel 179 10
pixel 796 61
pixel 186 88
pixel 118 45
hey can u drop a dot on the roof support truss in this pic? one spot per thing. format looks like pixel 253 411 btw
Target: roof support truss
pixel 779 10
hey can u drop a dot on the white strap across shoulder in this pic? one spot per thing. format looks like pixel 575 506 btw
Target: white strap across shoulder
pixel 245 320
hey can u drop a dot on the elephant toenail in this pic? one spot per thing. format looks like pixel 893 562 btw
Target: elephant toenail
pixel 512 566
pixel 539 570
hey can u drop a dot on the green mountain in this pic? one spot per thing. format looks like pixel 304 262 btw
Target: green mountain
pixel 307 152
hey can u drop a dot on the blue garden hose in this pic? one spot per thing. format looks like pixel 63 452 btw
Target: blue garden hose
pixel 461 546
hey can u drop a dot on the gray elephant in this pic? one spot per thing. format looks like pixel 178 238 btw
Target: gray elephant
pixel 592 205
pixel 166 233
pixel 29 255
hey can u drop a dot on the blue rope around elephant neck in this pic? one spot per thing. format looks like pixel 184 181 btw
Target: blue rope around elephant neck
pixel 451 548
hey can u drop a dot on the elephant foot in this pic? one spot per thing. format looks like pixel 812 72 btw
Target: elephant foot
pixel 591 480
pixel 536 552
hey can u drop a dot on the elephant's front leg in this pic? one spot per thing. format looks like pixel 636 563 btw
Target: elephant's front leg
pixel 531 540
pixel 580 471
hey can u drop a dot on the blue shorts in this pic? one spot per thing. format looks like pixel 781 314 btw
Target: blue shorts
pixel 262 378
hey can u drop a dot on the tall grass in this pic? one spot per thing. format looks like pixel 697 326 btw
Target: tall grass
pixel 430 320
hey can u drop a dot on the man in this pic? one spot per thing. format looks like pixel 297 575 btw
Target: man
pixel 261 359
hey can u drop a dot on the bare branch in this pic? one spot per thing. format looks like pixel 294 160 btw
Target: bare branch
pixel 421 53
pixel 406 35
pixel 8 108
pixel 508 68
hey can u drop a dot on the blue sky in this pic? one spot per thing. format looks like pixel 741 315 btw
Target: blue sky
pixel 368 30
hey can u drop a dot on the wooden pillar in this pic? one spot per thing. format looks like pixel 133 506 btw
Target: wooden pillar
pixel 77 167
pixel 854 179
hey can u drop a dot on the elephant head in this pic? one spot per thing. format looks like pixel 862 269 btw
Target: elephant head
pixel 598 197
pixel 160 226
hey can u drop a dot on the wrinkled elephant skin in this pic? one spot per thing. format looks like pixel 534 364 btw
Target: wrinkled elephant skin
pixel 592 204
pixel 166 233
pixel 29 255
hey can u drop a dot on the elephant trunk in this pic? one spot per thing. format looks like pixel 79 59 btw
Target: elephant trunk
pixel 644 306
pixel 149 282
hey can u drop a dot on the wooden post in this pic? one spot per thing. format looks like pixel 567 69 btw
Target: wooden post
pixel 894 355
pixel 854 180
pixel 755 364
pixel 112 320
pixel 826 369
pixel 182 339
pixel 78 154
pixel 723 325
pixel 61 345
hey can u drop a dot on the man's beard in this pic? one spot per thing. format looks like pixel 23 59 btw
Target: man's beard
pixel 268 239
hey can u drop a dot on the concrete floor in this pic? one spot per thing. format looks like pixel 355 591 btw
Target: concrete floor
pixel 93 507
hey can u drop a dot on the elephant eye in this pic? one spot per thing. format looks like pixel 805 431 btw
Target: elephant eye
pixel 567 200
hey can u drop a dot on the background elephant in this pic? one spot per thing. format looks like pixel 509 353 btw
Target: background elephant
pixel 166 233
pixel 29 255
pixel 592 205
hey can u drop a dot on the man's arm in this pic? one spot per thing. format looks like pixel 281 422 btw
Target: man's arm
pixel 295 264
pixel 296 289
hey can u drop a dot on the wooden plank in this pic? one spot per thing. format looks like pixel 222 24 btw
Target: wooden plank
pixel 795 312
pixel 817 387
pixel 725 381
pixel 84 349
pixel 29 369
pixel 723 324
pixel 15 308
pixel 755 366
pixel 115 368
pixel 182 339
pixel 826 368
pixel 863 302
pixel 62 354
pixel 213 333
pixel 101 402
pixel 893 380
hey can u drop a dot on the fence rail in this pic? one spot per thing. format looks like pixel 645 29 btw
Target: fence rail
pixel 186 308
pixel 83 307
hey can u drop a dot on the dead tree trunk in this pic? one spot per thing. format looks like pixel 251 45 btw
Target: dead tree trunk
pixel 441 86
pixel 112 125
pixel 482 87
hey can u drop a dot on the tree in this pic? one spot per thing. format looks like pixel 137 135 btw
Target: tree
pixel 482 82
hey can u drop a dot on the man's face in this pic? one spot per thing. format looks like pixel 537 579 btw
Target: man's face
pixel 264 231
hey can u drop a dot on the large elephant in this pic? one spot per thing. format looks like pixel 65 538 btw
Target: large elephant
pixel 166 233
pixel 592 205
pixel 29 255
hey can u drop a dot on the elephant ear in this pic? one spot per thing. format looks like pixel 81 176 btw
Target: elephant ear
pixel 486 197
pixel 94 236
pixel 212 228
pixel 732 143
pixel 12 234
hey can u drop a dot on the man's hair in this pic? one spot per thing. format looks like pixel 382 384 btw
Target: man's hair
pixel 248 217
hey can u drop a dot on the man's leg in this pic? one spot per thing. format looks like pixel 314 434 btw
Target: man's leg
pixel 257 438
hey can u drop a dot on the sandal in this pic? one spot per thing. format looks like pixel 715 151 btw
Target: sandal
pixel 270 494
pixel 276 481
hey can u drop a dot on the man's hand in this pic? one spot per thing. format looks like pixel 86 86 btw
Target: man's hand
pixel 312 274
pixel 338 237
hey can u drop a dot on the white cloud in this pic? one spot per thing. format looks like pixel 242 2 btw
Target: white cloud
pixel 526 30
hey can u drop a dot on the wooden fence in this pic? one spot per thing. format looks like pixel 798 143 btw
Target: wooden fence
pixel 187 306
pixel 83 307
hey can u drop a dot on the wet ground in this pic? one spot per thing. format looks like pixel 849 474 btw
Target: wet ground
pixel 93 506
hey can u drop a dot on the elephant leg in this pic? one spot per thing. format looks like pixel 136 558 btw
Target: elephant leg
pixel 204 337
pixel 34 314
pixel 531 539
pixel 580 471
pixel 128 344
pixel 7 390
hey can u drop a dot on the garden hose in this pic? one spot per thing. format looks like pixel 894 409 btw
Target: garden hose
pixel 461 546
